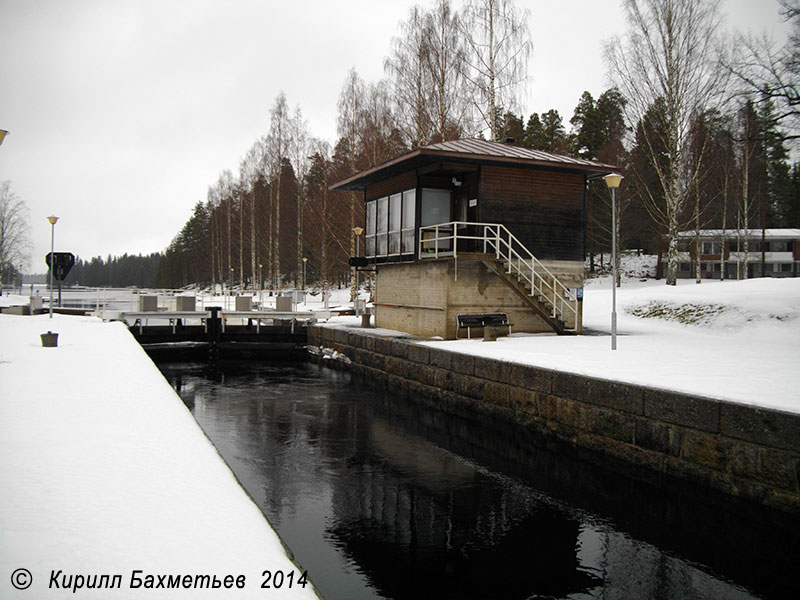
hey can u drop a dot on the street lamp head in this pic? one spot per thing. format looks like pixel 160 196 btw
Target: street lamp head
pixel 53 219
pixel 305 259
pixel 613 180
pixel 3 134
pixel 358 230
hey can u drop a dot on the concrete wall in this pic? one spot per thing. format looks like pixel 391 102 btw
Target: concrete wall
pixel 425 298
pixel 742 451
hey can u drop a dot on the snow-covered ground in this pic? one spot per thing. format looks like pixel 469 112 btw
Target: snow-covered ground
pixel 732 340
pixel 105 472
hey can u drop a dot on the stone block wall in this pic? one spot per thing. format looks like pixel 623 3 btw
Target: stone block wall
pixel 743 451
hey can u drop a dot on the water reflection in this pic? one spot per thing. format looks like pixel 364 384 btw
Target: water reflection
pixel 379 497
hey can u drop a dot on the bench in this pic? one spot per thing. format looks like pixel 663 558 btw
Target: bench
pixel 490 322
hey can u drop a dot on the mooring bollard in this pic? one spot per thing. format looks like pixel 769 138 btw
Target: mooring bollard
pixel 49 340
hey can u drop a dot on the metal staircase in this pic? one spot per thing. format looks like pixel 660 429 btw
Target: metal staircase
pixel 504 254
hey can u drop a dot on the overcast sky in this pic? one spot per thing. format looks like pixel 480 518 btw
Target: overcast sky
pixel 123 112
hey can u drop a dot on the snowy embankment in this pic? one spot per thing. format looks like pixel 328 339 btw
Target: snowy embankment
pixel 105 472
pixel 732 340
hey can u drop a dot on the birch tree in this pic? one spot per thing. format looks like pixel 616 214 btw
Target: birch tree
pixel 445 63
pixel 769 72
pixel 250 172
pixel 496 61
pixel 278 141
pixel 349 127
pixel 15 240
pixel 669 57
pixel 224 191
pixel 299 150
pixel 407 64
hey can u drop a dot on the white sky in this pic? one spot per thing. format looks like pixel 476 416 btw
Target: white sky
pixel 123 112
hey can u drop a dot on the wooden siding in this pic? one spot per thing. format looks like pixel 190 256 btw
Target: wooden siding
pixel 543 209
pixel 401 183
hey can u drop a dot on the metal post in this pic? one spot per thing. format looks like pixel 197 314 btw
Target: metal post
pixel 613 269
pixel 53 219
pixel 358 253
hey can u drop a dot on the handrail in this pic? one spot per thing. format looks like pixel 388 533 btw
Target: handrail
pixel 518 260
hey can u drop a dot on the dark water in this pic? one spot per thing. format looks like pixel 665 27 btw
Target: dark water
pixel 379 497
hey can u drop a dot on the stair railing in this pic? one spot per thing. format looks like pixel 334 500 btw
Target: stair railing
pixel 519 262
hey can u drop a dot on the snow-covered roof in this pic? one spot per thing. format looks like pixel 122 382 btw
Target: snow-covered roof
pixel 731 234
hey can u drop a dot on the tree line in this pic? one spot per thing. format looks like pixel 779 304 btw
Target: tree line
pixel 699 121
pixel 699 131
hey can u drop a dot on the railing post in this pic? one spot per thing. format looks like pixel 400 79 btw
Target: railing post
pixel 436 242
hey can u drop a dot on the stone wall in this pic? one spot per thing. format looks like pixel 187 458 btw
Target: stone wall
pixel 742 451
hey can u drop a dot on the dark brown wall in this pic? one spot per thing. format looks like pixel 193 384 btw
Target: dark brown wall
pixel 543 209
pixel 401 183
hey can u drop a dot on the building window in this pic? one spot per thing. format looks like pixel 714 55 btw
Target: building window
pixel 370 228
pixel 409 212
pixel 712 248
pixel 781 246
pixel 395 212
pixel 435 207
pixel 390 225
pixel 383 226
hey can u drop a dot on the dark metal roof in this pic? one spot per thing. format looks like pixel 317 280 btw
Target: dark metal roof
pixel 472 151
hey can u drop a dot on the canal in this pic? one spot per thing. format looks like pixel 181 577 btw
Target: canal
pixel 379 497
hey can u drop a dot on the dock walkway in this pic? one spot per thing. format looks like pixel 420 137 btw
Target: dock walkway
pixel 105 472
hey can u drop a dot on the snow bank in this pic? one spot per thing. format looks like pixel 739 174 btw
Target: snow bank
pixel 742 344
pixel 105 471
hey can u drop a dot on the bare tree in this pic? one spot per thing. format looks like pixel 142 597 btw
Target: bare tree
pixel 377 123
pixel 349 123
pixel 250 173
pixel 667 67
pixel 771 73
pixel 224 191
pixel 408 67
pixel 15 243
pixel 445 62
pixel 299 151
pixel 278 139
pixel 498 48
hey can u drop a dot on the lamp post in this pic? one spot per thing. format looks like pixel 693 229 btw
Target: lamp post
pixel 305 263
pixel 53 220
pixel 612 181
pixel 358 231
pixel 260 288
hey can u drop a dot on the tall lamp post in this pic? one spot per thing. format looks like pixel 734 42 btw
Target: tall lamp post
pixel 260 288
pixel 612 181
pixel 53 220
pixel 358 231
pixel 305 262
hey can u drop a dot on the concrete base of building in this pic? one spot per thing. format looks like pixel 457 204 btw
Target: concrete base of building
pixel 425 298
